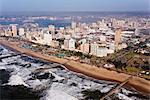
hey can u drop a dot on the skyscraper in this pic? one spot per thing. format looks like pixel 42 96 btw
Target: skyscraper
pixel 73 25
pixel 117 38
pixel 14 29
pixel 47 38
pixel 21 31
pixel 52 30
pixel 69 44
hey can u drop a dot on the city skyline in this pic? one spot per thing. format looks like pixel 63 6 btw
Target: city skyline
pixel 73 5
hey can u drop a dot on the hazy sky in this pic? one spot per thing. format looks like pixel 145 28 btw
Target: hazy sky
pixel 74 5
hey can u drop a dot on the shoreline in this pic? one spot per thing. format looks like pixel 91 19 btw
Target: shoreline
pixel 137 83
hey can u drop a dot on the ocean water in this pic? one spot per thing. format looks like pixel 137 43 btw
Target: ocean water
pixel 26 77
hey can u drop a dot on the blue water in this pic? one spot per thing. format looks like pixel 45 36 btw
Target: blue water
pixel 41 23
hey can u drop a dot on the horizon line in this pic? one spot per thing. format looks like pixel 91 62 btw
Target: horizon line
pixel 73 11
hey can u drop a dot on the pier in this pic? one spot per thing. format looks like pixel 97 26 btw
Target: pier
pixel 116 89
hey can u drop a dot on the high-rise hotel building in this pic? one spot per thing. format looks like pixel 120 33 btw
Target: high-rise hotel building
pixel 117 38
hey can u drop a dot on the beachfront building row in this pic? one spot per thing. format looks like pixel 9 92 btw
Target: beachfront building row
pixel 101 47
pixel 98 38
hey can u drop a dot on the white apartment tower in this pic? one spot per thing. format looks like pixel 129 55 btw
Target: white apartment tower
pixel 14 30
pixel 51 29
pixel 73 25
pixel 47 38
pixel 21 32
pixel 69 44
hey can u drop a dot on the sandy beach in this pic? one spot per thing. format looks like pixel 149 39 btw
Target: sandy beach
pixel 138 83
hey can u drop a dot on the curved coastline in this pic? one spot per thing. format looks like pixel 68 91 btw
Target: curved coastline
pixel 138 83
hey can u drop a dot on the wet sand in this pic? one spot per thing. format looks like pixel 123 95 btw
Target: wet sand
pixel 138 83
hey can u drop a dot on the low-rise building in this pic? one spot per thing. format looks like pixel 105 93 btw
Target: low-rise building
pixel 99 50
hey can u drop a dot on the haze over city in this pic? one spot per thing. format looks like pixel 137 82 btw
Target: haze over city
pixel 73 5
